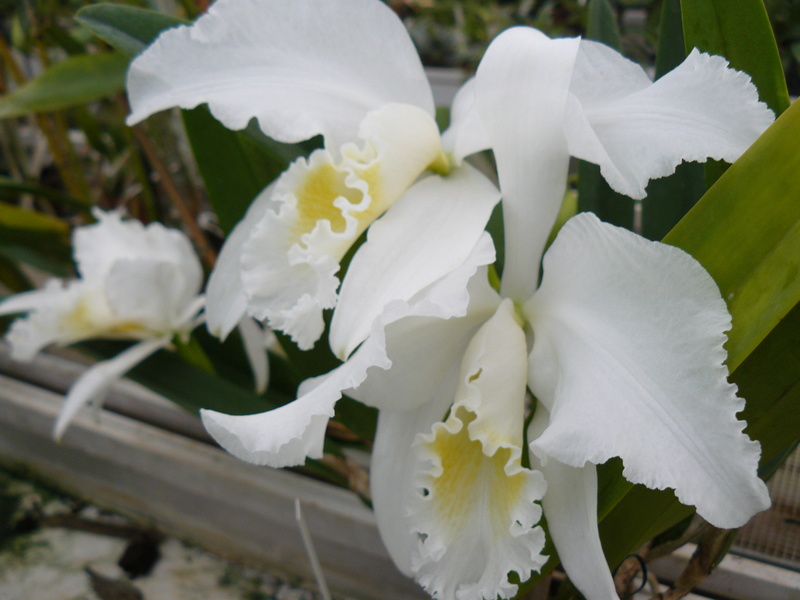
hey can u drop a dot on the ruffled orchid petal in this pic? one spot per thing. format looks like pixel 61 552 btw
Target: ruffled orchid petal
pixel 98 247
pixel 628 358
pixel 301 68
pixel 93 386
pixel 425 235
pixel 321 207
pixel 521 91
pixel 476 512
pixel 255 342
pixel 287 435
pixel 226 300
pixel 637 130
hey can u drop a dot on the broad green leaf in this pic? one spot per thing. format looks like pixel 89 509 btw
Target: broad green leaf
pixel 740 31
pixel 127 28
pixel 74 81
pixel 770 381
pixel 594 194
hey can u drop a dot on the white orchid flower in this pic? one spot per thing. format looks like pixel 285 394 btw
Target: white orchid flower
pixel 348 70
pixel 344 69
pixel 135 283
pixel 621 342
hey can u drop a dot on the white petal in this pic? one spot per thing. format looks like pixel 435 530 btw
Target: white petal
pixel 394 466
pixel 521 94
pixel 227 303
pixel 423 350
pixel 254 340
pixel 149 295
pixel 320 208
pixel 32 300
pixel 628 357
pixel 285 436
pixel 98 246
pixel 637 131
pixel 425 236
pixel 62 312
pixel 95 383
pixel 301 68
pixel 477 513
pixel 466 134
pixel 570 507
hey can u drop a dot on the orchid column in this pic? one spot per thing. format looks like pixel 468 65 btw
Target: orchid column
pixel 621 343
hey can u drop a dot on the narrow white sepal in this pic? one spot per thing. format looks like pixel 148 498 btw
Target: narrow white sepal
pixel 95 383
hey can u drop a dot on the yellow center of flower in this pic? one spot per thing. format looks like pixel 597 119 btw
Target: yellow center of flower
pixel 90 317
pixel 321 185
pixel 470 481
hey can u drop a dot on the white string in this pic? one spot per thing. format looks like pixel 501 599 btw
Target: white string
pixel 312 555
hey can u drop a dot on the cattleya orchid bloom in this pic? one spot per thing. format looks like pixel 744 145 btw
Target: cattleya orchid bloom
pixel 135 283
pixel 344 69
pixel 621 343
pixel 348 70
pixel 621 334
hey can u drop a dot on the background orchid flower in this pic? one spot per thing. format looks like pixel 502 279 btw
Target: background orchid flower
pixel 135 282
pixel 349 71
pixel 624 349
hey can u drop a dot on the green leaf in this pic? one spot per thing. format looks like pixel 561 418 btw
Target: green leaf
pixel 740 31
pixel 671 50
pixel 12 189
pixel 127 28
pixel 12 277
pixel 234 166
pixel 35 238
pixel 601 23
pixel 74 81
